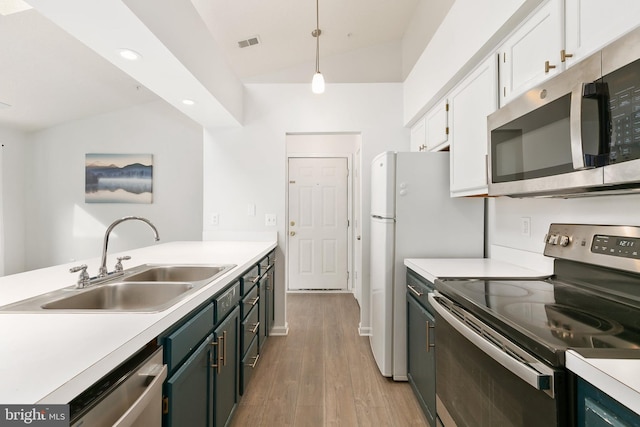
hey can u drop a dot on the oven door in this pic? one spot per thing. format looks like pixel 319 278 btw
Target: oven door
pixel 483 379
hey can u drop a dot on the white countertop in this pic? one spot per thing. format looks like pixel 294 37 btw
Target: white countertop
pixel 53 357
pixel 619 378
pixel 464 268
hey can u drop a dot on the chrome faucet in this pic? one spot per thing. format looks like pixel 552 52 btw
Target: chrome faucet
pixel 103 264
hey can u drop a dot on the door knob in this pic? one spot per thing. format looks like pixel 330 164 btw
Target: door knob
pixel 292 233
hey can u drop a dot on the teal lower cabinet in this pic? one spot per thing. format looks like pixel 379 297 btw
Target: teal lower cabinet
pixel 250 321
pixel 225 368
pixel 249 362
pixel 212 352
pixel 267 314
pixel 188 390
pixel 202 355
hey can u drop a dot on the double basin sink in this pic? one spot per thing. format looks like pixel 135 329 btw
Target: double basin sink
pixel 146 288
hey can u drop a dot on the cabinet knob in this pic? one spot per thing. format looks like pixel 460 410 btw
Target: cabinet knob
pixel 564 55
pixel 292 233
pixel 548 66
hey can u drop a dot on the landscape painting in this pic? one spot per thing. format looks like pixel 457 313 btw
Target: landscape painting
pixel 118 178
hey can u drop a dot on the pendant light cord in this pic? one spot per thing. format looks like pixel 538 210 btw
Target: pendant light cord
pixel 317 38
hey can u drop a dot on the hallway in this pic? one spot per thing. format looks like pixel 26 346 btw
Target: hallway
pixel 323 374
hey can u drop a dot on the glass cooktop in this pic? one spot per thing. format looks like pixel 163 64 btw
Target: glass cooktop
pixel 546 317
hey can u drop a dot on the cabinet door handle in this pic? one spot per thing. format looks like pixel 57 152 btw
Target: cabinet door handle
pixel 216 365
pixel 564 55
pixel 254 280
pixel 415 291
pixel 255 362
pixel 548 66
pixel 429 345
pixel 255 301
pixel 255 327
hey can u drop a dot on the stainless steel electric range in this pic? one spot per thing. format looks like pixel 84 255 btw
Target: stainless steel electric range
pixel 500 343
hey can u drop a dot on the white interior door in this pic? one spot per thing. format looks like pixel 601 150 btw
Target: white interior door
pixel 318 225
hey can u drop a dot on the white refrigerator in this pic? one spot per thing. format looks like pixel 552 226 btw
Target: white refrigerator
pixel 412 216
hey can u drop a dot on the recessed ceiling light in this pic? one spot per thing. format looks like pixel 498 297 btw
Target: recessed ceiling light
pixel 129 54
pixel 188 102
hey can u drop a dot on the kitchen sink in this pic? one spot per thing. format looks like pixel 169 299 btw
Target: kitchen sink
pixel 176 273
pixel 123 296
pixel 145 288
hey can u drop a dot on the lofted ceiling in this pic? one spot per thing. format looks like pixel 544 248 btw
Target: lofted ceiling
pixel 60 62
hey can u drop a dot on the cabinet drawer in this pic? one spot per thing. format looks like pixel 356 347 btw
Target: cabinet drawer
pixel 249 329
pixel 249 363
pixel 418 287
pixel 226 302
pixel 250 279
pixel 180 343
pixel 250 301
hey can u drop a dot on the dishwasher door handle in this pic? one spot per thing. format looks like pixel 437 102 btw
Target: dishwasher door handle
pixel 153 391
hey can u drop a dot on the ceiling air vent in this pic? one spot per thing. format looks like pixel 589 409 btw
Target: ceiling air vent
pixel 251 41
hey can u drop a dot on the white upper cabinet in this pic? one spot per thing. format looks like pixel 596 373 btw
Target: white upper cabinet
pixel 531 54
pixel 469 105
pixel 591 24
pixel 437 126
pixel 418 136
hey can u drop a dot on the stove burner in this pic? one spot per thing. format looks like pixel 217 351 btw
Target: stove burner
pixel 564 322
pixel 499 289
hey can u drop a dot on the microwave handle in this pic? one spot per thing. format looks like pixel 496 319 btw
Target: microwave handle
pixel 575 128
pixel 595 90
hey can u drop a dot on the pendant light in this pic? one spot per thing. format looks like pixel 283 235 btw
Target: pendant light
pixel 317 84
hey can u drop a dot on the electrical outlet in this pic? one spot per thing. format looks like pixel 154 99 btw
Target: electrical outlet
pixel 214 219
pixel 525 226
pixel 270 220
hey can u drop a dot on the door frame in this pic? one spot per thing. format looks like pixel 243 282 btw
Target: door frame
pixel 349 158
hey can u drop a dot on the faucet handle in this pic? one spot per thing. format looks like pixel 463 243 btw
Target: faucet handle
pixel 118 267
pixel 83 278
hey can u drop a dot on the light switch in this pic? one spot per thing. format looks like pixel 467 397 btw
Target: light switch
pixel 251 209
pixel 525 226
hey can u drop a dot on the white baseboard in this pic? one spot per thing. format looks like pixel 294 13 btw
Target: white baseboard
pixel 280 331
pixel 364 332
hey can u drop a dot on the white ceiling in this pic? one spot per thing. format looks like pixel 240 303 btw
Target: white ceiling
pixel 49 77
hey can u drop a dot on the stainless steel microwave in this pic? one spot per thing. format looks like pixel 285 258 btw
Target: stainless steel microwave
pixel 575 134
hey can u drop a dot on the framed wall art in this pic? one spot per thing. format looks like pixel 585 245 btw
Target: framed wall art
pixel 118 178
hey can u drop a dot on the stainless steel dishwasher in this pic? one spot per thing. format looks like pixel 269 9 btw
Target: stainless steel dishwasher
pixel 131 395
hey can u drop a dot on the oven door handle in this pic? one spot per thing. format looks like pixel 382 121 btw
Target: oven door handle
pixel 539 380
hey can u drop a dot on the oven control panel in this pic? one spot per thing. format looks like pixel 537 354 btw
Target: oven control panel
pixel 628 247
pixel 607 245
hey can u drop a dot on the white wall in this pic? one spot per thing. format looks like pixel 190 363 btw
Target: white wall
pixel 471 29
pixel 424 23
pixel 508 243
pixel 61 227
pixel 248 165
pixel 13 198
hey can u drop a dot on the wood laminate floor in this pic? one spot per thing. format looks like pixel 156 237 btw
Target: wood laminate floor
pixel 323 374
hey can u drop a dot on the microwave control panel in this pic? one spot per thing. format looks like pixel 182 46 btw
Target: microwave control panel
pixel 623 96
